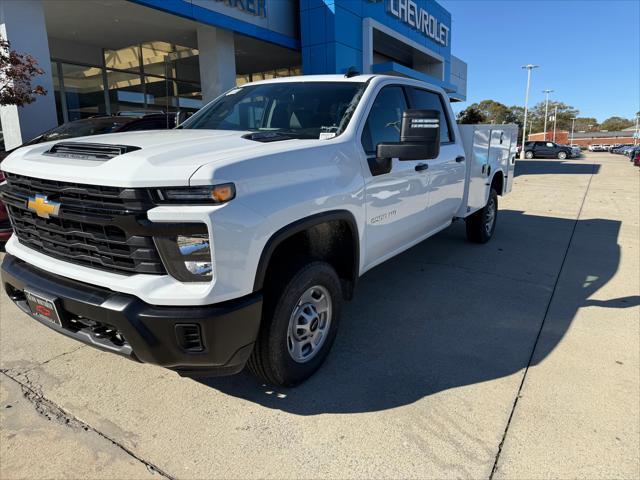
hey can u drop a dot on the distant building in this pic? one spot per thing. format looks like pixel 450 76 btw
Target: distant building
pixel 586 138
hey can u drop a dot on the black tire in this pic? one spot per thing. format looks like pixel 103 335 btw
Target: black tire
pixel 270 360
pixel 478 230
pixel 528 154
pixel 562 155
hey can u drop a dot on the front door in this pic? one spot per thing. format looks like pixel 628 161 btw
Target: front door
pixel 396 192
pixel 447 172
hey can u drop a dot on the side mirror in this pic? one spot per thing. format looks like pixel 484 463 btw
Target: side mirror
pixel 419 137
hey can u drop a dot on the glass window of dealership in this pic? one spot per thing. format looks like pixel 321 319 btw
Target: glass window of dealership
pixel 132 56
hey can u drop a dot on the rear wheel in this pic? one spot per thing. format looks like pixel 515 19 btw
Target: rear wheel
pixel 562 155
pixel 528 154
pixel 482 224
pixel 299 325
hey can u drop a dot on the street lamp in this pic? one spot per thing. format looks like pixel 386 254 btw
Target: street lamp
pixel 573 126
pixel 526 106
pixel 546 110
pixel 555 120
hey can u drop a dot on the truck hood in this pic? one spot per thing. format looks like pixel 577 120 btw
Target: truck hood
pixel 163 157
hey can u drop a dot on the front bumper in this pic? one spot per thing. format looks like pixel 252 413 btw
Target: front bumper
pixel 152 334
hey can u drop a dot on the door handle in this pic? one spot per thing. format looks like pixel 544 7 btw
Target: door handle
pixel 460 159
pixel 421 166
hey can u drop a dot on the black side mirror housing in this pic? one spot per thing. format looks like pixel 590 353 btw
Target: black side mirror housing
pixel 419 137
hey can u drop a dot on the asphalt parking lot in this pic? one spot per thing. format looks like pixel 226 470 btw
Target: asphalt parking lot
pixel 516 359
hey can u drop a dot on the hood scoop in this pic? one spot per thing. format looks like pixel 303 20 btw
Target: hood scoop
pixel 89 151
pixel 266 137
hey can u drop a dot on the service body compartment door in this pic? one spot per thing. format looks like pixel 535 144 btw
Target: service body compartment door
pixel 498 153
pixel 478 165
pixel 513 153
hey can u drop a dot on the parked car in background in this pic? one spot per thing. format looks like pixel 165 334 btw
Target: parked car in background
pixel 101 125
pixel 547 150
pixel 575 150
pixel 596 147
pixel 621 148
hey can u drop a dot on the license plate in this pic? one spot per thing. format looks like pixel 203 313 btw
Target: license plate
pixel 43 306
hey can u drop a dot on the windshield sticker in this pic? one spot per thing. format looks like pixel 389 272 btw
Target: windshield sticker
pixel 326 135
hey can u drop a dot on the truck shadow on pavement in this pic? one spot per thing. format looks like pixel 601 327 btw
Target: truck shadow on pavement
pixel 546 167
pixel 448 313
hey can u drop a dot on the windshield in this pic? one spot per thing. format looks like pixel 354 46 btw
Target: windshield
pixel 294 109
pixel 81 128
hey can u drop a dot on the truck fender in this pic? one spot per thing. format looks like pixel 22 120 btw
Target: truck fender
pixel 300 226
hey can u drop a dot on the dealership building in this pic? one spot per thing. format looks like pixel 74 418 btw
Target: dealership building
pixel 108 57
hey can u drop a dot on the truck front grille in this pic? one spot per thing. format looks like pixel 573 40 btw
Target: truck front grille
pixel 95 226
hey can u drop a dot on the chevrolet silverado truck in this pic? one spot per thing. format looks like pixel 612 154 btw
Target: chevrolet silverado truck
pixel 234 239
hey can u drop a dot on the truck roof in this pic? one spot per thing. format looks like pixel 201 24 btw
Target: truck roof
pixel 319 78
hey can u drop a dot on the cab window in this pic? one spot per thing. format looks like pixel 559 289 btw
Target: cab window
pixel 426 100
pixel 383 122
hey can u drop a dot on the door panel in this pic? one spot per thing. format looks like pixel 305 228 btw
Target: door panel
pixel 446 183
pixel 396 206
pixel 395 201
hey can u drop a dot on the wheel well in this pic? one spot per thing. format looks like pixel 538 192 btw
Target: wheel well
pixel 333 240
pixel 498 182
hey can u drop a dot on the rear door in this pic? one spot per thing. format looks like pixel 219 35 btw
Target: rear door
pixel 447 172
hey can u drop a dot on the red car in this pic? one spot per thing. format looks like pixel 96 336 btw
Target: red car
pixel 5 226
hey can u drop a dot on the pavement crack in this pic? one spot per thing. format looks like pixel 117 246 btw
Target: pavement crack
pixel 544 319
pixel 53 412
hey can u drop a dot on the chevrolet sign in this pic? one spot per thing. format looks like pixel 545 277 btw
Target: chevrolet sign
pixel 418 18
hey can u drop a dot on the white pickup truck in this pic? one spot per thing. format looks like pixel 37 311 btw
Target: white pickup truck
pixel 234 239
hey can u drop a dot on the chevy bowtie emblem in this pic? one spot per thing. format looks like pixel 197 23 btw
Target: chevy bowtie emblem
pixel 43 207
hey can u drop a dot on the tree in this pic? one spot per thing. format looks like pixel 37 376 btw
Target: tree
pixel 471 115
pixel 565 114
pixel 16 72
pixel 494 112
pixel 582 124
pixel 613 124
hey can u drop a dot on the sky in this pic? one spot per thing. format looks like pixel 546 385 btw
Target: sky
pixel 588 52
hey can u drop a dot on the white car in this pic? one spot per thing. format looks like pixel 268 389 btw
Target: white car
pixel 595 148
pixel 235 238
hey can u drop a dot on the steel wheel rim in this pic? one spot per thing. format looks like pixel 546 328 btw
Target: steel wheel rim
pixel 490 216
pixel 309 324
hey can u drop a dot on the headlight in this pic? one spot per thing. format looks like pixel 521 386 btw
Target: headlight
pixel 195 195
pixel 187 258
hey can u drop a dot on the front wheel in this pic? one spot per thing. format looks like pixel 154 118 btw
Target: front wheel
pixel 481 225
pixel 298 327
pixel 528 155
pixel 562 155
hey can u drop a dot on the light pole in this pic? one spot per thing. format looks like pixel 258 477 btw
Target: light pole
pixel 526 106
pixel 573 126
pixel 635 137
pixel 555 121
pixel 546 110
